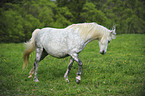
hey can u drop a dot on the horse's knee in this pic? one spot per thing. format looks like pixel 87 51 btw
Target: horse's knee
pixel 80 63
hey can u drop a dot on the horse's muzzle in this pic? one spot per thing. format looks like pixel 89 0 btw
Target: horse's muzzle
pixel 102 52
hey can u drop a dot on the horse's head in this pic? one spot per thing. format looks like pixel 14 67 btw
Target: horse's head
pixel 105 40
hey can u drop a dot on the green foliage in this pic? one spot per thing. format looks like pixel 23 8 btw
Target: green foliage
pixel 74 6
pixel 61 17
pixel 126 15
pixel 120 72
pixel 60 21
pixel 91 14
pixel 13 25
pixel 18 18
pixel 30 24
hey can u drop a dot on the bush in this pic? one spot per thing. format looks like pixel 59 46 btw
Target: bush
pixel 18 18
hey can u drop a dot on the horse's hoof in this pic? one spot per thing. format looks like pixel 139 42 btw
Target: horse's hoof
pixel 77 81
pixel 30 76
pixel 67 81
pixel 36 80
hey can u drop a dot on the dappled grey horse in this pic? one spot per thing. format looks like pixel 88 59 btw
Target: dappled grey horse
pixel 69 41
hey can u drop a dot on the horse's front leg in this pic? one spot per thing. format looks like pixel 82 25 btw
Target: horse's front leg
pixel 68 69
pixel 76 58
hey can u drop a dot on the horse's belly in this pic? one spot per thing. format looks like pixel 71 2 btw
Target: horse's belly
pixel 56 48
pixel 56 52
pixel 59 55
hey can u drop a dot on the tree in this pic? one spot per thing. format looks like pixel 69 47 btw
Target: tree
pixel 30 23
pixel 91 14
pixel 12 29
pixel 18 18
pixel 74 6
pixel 126 14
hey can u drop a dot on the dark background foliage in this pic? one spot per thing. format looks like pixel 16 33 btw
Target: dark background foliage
pixel 18 18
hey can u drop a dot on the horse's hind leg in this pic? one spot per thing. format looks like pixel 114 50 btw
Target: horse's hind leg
pixel 44 54
pixel 36 63
pixel 68 69
pixel 31 72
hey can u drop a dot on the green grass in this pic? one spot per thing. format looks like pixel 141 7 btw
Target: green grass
pixel 120 72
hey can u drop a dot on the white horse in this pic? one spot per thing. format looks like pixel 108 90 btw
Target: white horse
pixel 69 41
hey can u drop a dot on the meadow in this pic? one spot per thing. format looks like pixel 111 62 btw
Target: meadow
pixel 120 72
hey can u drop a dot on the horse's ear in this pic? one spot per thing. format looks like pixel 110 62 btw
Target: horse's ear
pixel 113 34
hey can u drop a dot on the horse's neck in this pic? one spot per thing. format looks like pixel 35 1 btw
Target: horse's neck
pixel 93 34
pixel 88 32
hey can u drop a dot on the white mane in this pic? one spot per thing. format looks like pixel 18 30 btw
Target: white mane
pixel 87 29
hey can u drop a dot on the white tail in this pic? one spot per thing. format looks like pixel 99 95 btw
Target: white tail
pixel 30 46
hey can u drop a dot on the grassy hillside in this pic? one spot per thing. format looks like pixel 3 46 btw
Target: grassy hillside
pixel 120 72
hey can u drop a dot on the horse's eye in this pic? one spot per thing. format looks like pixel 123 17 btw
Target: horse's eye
pixel 108 41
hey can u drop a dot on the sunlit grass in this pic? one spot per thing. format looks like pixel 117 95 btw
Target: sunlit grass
pixel 120 72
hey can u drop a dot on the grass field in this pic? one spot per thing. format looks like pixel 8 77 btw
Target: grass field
pixel 120 72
